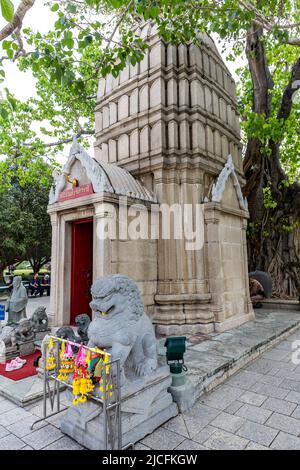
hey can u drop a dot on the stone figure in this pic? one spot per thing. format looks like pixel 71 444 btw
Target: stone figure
pixel 121 327
pixel 11 335
pixel 82 322
pixel 40 320
pixel 16 305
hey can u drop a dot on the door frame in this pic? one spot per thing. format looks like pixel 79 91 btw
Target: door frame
pixel 74 224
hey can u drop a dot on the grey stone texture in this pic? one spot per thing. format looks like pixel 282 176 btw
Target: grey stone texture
pixel 232 416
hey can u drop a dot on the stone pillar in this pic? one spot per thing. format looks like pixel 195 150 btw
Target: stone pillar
pixel 54 268
pixel 104 213
pixel 213 259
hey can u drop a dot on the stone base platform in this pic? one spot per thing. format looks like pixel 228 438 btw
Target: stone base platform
pixel 23 392
pixel 146 405
pixel 214 357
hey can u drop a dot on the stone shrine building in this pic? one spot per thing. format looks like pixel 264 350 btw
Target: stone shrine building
pixel 167 134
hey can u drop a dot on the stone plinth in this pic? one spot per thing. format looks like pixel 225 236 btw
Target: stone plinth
pixel 146 405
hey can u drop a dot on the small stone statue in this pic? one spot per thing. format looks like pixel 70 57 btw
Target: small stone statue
pixel 16 305
pixel 40 320
pixel 15 334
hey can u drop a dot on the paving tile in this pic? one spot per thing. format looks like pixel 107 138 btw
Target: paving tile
pixel 285 345
pixel 198 417
pixel 281 406
pixel 252 398
pixel 57 419
pixel 6 405
pixel 261 366
pixel 291 384
pixel 188 444
pixel 294 397
pixel 204 434
pixel 255 446
pixel 14 415
pixel 233 407
pixel 228 422
pixel 296 412
pixel 244 379
pixel 223 440
pixel 272 380
pixel 64 443
pixel 178 425
pixel 253 413
pixel 43 437
pixel 258 433
pixel 270 390
pixel 222 397
pixel 285 441
pixel 284 423
pixel 140 446
pixel 287 373
pixel 11 442
pixel 3 431
pixel 23 427
pixel 275 354
pixel 163 439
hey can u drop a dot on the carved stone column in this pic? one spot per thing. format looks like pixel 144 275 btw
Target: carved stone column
pixel 54 268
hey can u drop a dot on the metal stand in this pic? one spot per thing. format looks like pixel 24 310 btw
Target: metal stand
pixel 109 401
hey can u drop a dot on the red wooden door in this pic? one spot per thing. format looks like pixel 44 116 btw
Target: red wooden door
pixel 82 267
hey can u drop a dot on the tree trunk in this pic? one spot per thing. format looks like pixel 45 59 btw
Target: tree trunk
pixel 271 244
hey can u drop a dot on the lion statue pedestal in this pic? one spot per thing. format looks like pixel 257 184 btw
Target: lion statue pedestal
pixel 122 328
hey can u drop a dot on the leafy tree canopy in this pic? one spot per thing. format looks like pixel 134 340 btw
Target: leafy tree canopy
pixel 91 38
pixel 24 223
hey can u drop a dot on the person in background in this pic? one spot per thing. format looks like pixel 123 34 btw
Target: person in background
pixel 256 292
pixel 45 285
pixel 34 286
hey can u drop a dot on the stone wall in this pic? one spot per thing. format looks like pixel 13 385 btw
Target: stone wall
pixel 179 101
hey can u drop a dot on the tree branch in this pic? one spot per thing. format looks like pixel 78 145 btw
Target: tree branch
pixel 17 20
pixel 287 97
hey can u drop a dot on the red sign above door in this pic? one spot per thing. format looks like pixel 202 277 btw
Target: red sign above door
pixel 74 193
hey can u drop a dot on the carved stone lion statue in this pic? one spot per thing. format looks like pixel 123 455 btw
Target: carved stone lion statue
pixel 40 319
pixel 23 331
pixel 121 327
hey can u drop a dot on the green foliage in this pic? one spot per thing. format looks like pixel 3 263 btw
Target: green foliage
pixel 7 9
pixel 269 202
pixel 92 38
pixel 24 223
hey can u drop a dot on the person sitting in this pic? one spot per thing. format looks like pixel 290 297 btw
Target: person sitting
pixel 34 286
pixel 45 285
pixel 256 292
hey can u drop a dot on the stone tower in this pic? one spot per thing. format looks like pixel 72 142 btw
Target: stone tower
pixel 172 122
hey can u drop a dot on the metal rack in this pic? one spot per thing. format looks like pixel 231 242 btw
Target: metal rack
pixel 109 402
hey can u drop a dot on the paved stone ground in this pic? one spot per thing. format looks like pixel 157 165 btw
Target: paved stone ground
pixel 257 408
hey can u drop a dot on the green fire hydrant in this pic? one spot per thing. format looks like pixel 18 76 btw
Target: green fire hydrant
pixel 175 350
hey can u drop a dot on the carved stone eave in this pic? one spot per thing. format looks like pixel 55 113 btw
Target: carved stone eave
pixel 105 178
pixel 220 185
